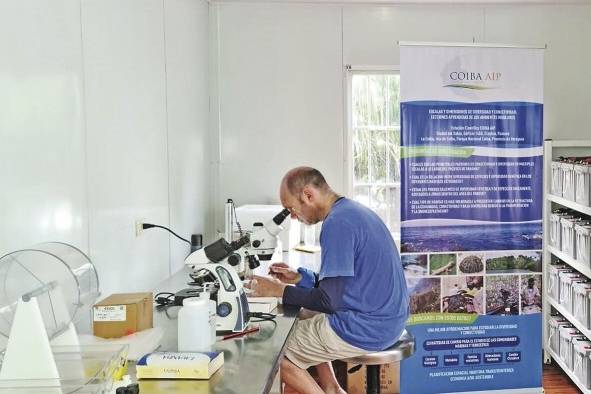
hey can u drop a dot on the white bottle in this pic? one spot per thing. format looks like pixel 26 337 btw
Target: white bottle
pixel 194 332
pixel 212 319
pixel 212 311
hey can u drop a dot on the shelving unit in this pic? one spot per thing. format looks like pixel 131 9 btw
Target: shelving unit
pixel 556 305
pixel 570 261
pixel 552 150
pixel 569 204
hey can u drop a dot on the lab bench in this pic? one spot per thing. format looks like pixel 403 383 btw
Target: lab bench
pixel 251 362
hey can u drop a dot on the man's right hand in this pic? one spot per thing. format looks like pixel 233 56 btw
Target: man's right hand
pixel 284 273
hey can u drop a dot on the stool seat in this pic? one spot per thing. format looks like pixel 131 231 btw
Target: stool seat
pixel 403 348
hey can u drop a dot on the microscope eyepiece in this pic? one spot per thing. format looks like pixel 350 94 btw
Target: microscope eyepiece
pixel 280 217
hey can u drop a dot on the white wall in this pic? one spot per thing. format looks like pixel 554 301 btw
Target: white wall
pixel 42 167
pixel 280 93
pixel 281 68
pixel 370 34
pixel 103 119
pixel 187 85
pixel 566 30
pixel 124 67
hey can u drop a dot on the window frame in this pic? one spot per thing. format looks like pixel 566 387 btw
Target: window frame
pixel 350 72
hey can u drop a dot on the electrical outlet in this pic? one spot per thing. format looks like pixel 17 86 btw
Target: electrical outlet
pixel 139 227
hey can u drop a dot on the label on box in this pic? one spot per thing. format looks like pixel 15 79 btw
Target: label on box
pixel 110 313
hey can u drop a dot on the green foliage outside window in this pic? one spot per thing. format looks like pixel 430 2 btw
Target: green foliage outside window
pixel 376 143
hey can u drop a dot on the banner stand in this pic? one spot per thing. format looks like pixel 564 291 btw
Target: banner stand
pixel 471 216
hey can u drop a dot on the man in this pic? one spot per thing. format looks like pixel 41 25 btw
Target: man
pixel 531 299
pixel 360 289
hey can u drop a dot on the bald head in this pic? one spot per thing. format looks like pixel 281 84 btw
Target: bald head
pixel 306 194
pixel 298 178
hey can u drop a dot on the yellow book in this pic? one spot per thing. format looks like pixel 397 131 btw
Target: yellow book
pixel 179 365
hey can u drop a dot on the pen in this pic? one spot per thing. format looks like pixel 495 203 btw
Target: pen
pixel 239 334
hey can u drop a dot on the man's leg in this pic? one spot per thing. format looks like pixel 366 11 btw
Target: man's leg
pixel 328 380
pixel 298 379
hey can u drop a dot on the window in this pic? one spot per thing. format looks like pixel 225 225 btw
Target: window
pixel 374 139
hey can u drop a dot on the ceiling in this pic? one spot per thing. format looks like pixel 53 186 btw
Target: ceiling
pixel 415 2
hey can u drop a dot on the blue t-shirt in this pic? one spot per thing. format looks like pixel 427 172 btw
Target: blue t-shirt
pixel 357 244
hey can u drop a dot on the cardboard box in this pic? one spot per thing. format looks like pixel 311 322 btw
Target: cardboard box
pixel 122 314
pixel 354 383
pixel 389 379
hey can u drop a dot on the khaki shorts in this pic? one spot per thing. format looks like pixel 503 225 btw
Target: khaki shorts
pixel 313 342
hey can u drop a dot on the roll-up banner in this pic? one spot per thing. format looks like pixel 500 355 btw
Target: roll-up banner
pixel 471 223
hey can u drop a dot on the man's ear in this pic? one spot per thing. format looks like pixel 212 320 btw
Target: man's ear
pixel 307 194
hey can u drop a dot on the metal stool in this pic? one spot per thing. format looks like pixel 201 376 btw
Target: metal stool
pixel 402 349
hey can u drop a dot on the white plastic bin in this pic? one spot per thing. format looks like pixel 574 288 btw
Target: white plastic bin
pixel 582 362
pixel 553 288
pixel 581 292
pixel 567 335
pixel 556 228
pixel 561 289
pixel 588 303
pixel 564 333
pixel 583 243
pixel 567 235
pixel 568 181
pixel 553 283
pixel 554 323
pixel 582 184
pixel 556 187
pixel 567 279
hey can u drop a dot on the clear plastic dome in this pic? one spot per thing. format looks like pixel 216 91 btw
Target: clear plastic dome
pixel 62 278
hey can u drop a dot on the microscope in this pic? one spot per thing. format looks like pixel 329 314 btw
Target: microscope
pixel 262 239
pixel 213 263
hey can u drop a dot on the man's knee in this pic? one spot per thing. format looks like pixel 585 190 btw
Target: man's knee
pixel 287 365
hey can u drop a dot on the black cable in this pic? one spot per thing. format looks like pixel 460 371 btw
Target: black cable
pixel 150 225
pixel 163 299
pixel 168 293
pixel 236 219
pixel 262 316
pixel 264 320
pixel 166 307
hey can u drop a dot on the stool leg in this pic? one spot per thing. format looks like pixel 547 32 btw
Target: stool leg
pixel 372 375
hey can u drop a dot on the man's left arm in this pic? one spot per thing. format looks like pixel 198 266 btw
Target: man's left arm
pixel 326 298
pixel 337 240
